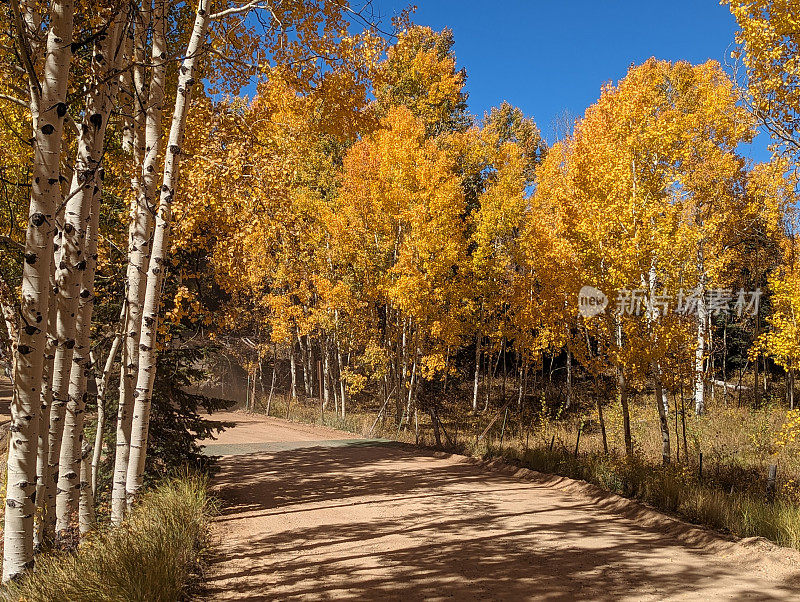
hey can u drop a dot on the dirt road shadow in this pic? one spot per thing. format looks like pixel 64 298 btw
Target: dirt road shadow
pixel 366 522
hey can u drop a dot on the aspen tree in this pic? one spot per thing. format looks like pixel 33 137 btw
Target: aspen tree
pixel 82 217
pixel 147 143
pixel 42 467
pixel 768 47
pixel 48 111
pixel 102 391
pixel 158 260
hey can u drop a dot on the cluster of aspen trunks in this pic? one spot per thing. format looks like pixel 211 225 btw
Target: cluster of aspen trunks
pixel 49 478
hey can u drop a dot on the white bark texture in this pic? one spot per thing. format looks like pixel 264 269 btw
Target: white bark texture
pixel 86 515
pixel 127 99
pixel 702 323
pixel 477 373
pixel 699 358
pixel 293 371
pixel 89 177
pixel 158 262
pixel 102 391
pixel 48 117
pixel 42 469
pixel 147 150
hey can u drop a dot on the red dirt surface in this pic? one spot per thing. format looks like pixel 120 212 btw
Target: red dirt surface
pixel 319 518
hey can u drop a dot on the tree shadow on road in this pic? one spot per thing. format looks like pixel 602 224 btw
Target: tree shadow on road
pixel 389 523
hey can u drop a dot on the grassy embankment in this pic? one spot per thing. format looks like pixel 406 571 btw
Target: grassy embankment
pixel 738 446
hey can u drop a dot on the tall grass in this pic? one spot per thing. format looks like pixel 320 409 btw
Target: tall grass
pixel 676 489
pixel 154 556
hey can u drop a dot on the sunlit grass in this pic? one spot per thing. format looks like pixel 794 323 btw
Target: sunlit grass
pixel 155 555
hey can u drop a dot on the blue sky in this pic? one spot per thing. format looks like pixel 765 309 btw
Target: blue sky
pixel 552 56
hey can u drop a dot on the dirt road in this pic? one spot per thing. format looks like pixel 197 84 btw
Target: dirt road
pixel 313 514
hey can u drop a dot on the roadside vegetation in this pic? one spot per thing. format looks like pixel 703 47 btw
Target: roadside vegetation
pixel 156 554
pixel 731 492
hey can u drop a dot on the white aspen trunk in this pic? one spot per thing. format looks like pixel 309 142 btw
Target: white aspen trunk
pixel 127 100
pixel 86 516
pixel 102 390
pixel 48 113
pixel 311 367
pixel 487 373
pixel 569 379
pixel 660 395
pixel 308 377
pixel 404 386
pixel 147 149
pixel 293 370
pixel 274 375
pixel 70 266
pixel 710 362
pixel 411 386
pixel 699 372
pixel 158 262
pixel 477 376
pixel 397 370
pixel 257 378
pixel 325 374
pixel 724 362
pixel 335 389
pixel 622 392
pixel 301 343
pixel 84 204
pixel 699 377
pixel 44 421
pixel 662 414
pixel 342 385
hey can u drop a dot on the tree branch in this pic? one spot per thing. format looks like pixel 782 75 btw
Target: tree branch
pixel 25 53
pixel 252 5
pixel 10 241
pixel 15 100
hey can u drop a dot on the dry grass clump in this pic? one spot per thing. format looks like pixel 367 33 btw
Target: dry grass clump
pixel 155 555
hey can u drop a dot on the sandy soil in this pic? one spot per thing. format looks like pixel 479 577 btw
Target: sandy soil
pixel 317 515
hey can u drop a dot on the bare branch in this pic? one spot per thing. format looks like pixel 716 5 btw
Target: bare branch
pixel 25 53
pixel 15 100
pixel 11 242
pixel 247 7
pixel 231 59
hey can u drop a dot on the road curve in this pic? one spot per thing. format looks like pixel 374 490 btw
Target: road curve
pixel 312 513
